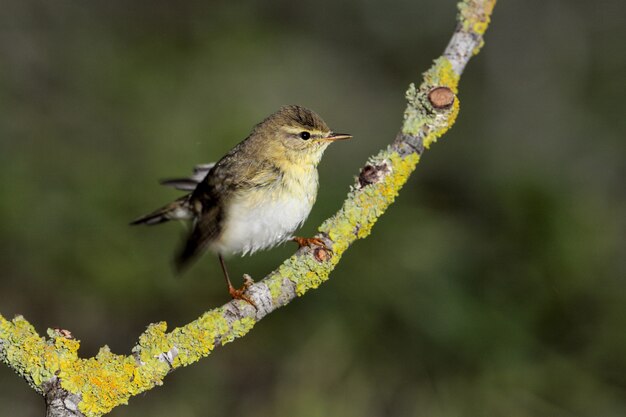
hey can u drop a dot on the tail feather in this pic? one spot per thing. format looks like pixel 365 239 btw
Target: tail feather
pixel 183 184
pixel 176 210
pixel 190 183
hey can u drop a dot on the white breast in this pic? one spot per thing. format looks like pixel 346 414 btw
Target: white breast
pixel 262 219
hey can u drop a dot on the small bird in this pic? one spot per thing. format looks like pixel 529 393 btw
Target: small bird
pixel 257 195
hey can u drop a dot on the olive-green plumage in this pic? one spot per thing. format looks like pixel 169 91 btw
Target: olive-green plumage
pixel 258 193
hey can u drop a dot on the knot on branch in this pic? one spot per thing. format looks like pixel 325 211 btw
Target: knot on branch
pixel 322 254
pixel 371 174
pixel 441 98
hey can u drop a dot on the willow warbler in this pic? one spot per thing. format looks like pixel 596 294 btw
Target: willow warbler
pixel 257 195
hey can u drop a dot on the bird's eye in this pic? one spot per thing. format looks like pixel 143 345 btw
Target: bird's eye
pixel 305 135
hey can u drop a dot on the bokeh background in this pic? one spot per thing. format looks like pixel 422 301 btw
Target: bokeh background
pixel 495 286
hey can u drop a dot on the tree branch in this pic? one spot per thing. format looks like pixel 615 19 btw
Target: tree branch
pixel 92 387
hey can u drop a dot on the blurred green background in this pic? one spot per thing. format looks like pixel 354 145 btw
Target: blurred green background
pixel 495 286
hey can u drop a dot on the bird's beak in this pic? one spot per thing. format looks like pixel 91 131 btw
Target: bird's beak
pixel 337 136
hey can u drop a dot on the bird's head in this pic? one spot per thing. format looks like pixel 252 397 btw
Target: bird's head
pixel 297 133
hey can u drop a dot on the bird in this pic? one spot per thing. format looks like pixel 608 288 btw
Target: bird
pixel 256 195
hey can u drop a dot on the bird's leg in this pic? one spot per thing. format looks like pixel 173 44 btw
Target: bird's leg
pixel 310 241
pixel 237 294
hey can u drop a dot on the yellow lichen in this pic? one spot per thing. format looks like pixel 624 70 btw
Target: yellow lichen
pixel 27 352
pixel 420 114
pixel 239 328
pixel 475 15
pixel 305 272
pixel 365 205
pixel 275 284
pixel 441 74
pixel 103 382
pixel 109 380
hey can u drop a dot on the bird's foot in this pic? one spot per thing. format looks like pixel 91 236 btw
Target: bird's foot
pixel 240 294
pixel 310 242
pixel 321 251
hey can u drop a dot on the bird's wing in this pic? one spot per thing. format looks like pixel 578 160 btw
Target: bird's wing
pixel 235 173
pixel 190 183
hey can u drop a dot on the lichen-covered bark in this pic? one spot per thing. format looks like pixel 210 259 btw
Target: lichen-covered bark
pixel 75 386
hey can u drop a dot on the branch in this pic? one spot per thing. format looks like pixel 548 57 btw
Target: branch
pixel 92 387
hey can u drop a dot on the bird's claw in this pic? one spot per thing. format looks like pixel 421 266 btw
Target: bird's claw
pixel 321 252
pixel 240 294
pixel 310 242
